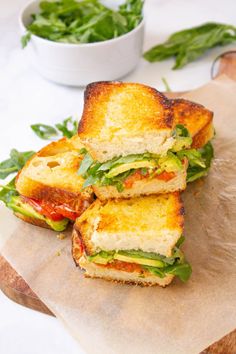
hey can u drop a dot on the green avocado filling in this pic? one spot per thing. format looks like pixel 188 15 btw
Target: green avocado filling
pixel 152 262
pixel 114 172
pixel 13 201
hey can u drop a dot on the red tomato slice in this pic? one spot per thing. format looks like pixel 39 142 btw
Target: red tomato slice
pixel 165 176
pixel 137 176
pixel 49 210
pixel 44 208
pixel 66 211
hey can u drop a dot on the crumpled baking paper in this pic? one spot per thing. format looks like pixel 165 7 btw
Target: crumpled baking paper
pixel 182 318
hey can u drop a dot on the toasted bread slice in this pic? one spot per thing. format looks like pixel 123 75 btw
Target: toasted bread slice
pixel 196 118
pixel 145 187
pixel 151 224
pixel 51 175
pixel 125 118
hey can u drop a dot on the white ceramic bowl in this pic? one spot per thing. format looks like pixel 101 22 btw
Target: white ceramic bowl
pixel 80 64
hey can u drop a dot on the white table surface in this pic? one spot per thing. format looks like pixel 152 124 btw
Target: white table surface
pixel 26 98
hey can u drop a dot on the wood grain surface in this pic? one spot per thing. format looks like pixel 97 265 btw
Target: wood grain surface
pixel 15 288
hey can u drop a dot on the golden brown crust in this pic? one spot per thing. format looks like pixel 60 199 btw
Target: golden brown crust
pixel 52 175
pixel 77 248
pixel 129 282
pixel 196 118
pixel 40 191
pixel 60 146
pixel 134 108
pixel 84 228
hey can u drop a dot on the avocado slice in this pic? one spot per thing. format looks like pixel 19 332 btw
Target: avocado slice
pixel 142 261
pixel 101 257
pixel 129 166
pixel 19 206
pixel 181 142
pixel 170 163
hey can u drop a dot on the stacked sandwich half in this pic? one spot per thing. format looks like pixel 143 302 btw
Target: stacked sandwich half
pixel 140 150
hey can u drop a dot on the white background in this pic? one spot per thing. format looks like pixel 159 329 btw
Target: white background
pixel 26 98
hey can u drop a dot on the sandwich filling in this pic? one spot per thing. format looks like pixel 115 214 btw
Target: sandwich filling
pixel 145 263
pixel 123 171
pixel 56 216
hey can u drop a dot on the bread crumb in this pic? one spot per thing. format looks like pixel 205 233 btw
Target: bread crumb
pixel 58 253
pixel 61 236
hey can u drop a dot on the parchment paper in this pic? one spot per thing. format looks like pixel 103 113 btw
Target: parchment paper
pixel 182 318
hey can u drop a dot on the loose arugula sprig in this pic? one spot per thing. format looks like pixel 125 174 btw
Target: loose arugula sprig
pixel 12 165
pixel 8 191
pixel 197 170
pixel 167 86
pixel 15 162
pixel 18 159
pixel 190 44
pixel 85 21
pixel 67 128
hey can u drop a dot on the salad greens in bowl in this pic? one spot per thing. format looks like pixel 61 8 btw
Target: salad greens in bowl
pixel 76 42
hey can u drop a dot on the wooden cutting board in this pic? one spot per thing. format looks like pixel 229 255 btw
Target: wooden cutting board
pixel 16 289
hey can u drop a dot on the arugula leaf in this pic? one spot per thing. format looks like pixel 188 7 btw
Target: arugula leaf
pixel 86 21
pixel 180 241
pixel 183 271
pixel 25 39
pixel 194 157
pixel 167 87
pixel 16 161
pixel 67 128
pixel 44 131
pixel 196 171
pixel 8 191
pixel 181 131
pixel 190 44
pixel 85 164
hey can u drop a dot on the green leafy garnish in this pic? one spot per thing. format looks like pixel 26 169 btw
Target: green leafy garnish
pixel 101 173
pixel 180 131
pixel 25 39
pixel 8 191
pixel 176 264
pixel 15 162
pixel 196 170
pixel 44 131
pixel 85 21
pixel 167 86
pixel 183 271
pixel 11 166
pixel 190 44
pixel 85 164
pixel 67 128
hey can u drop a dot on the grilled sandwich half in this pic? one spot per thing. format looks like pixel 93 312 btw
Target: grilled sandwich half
pixel 136 140
pixel 132 240
pixel 50 190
